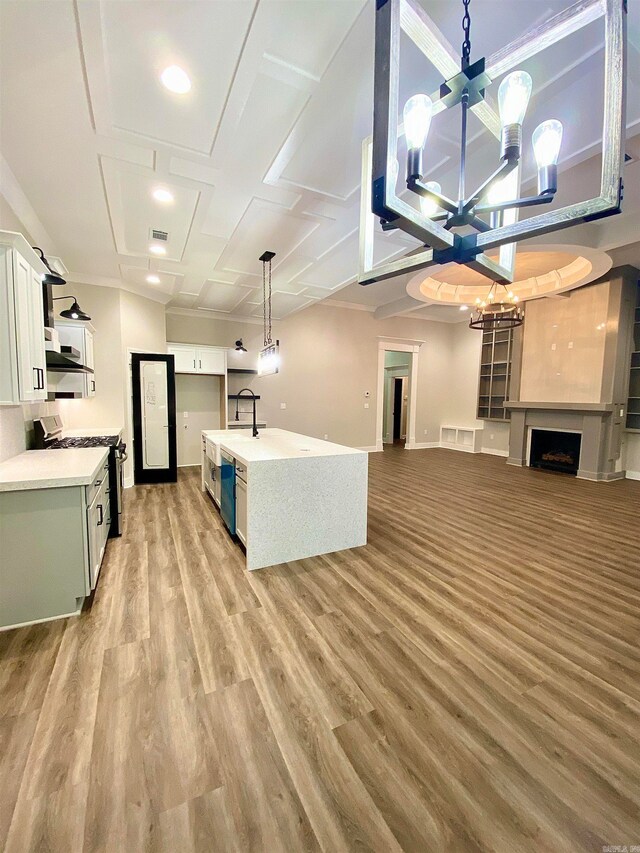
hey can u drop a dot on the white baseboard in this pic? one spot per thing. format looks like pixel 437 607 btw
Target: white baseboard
pixel 491 451
pixel 422 445
pixel 371 448
pixel 128 482
pixel 632 475
pixel 192 464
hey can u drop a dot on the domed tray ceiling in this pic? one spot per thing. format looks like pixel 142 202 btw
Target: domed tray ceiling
pixel 539 271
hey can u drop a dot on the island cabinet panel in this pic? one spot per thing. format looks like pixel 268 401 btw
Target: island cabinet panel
pixel 241 508
pixel 298 508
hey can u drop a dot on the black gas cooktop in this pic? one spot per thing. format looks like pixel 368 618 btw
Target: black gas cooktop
pixel 83 441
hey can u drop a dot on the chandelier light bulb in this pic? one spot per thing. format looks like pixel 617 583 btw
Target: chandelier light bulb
pixel 513 97
pixel 429 206
pixel 546 140
pixel 417 118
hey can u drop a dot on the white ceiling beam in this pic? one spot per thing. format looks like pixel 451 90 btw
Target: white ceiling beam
pixel 404 305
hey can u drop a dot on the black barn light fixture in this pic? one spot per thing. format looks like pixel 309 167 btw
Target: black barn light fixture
pixel 75 312
pixel 52 276
pixel 490 210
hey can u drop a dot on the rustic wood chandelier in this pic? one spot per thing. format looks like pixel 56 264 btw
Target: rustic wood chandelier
pixel 491 209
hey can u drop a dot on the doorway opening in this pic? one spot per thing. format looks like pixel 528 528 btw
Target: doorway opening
pixel 397 393
pixel 396 397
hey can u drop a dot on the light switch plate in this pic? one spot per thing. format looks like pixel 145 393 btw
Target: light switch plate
pixel 185 414
pixel 283 405
pixel 366 405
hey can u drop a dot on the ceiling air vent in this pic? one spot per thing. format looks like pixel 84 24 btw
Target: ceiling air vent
pixel 159 235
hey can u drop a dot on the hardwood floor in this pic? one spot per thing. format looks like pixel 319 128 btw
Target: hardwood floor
pixel 468 681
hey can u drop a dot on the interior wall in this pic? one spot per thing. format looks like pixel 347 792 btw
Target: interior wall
pixel 199 398
pixel 123 321
pixel 329 359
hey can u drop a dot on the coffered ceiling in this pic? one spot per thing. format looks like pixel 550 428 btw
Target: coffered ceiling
pixel 262 153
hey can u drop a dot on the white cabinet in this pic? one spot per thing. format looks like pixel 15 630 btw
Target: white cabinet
pixel 80 337
pixel 98 518
pixel 23 367
pixel 184 357
pixel 198 359
pixel 212 360
pixel 241 504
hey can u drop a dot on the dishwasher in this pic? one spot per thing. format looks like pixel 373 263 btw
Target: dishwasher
pixel 228 491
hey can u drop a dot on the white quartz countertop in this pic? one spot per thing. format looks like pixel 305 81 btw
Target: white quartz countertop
pixel 49 469
pixel 274 444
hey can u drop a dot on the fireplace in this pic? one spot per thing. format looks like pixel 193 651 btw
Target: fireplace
pixel 555 450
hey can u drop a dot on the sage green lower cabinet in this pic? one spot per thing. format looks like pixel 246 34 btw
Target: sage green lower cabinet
pixel 52 542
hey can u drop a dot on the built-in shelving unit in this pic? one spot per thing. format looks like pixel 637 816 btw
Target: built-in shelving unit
pixel 495 374
pixel 633 403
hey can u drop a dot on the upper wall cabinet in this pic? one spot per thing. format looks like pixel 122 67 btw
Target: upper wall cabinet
pixel 202 360
pixel 23 366
pixel 79 336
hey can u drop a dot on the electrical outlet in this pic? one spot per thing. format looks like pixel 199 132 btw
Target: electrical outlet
pixel 366 405
pixel 570 344
pixel 425 432
pixel 283 405
pixel 185 414
pixel 492 436
pixel 326 436
pixel 553 346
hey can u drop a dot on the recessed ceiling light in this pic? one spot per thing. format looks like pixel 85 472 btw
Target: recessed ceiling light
pixel 162 195
pixel 153 279
pixel 176 80
pixel 464 307
pixel 157 250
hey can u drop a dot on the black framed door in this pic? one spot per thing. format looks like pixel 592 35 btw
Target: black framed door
pixel 397 408
pixel 153 383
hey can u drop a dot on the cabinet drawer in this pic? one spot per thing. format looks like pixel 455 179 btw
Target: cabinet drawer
pixel 101 478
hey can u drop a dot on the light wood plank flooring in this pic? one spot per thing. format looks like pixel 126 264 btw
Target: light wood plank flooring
pixel 468 681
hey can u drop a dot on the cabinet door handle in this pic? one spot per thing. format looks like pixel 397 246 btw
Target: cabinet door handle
pixel 200 363
pixel 42 377
pixel 101 515
pixel 194 364
pixel 93 384
pixel 37 386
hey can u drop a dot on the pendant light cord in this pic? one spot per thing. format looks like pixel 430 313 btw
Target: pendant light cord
pixel 466 27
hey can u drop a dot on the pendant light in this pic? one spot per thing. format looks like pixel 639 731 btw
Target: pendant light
pixel 269 355
pixel 497 311
pixel 52 276
pixel 75 312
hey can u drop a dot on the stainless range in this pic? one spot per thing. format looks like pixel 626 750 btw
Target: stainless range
pixel 48 436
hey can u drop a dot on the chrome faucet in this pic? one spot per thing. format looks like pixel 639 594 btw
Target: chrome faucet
pixel 252 397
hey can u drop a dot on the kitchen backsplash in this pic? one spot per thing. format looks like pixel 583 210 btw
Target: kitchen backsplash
pixel 16 426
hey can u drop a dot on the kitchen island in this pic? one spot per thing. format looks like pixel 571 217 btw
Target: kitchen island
pixel 287 496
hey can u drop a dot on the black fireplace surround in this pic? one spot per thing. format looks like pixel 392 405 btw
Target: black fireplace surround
pixel 555 451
